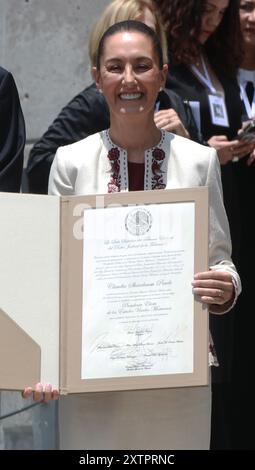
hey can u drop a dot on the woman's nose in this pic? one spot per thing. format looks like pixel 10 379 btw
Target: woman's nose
pixel 128 76
pixel 251 16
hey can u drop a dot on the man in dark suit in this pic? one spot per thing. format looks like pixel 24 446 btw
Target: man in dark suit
pixel 12 134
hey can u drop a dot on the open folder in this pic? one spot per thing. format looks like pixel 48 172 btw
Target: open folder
pixel 51 292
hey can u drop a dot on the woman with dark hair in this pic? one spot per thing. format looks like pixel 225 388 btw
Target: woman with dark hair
pixel 205 51
pixel 183 23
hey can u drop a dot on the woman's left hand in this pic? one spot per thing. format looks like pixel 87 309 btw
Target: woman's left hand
pixel 168 120
pixel 41 392
pixel 243 148
pixel 213 287
pixel 251 158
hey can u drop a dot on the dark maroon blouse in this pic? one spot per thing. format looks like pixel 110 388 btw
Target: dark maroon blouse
pixel 136 176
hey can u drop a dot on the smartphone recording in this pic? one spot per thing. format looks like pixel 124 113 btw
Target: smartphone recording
pixel 248 133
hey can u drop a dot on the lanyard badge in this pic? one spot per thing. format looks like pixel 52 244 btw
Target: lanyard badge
pixel 249 107
pixel 217 105
pixel 218 110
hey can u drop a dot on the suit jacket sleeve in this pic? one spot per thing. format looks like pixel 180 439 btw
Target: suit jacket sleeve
pixel 219 235
pixel 84 115
pixel 169 99
pixel 12 135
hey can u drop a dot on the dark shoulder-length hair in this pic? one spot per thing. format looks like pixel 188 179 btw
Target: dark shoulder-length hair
pixel 182 21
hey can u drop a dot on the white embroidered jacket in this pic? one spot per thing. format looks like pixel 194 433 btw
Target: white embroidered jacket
pixel 95 165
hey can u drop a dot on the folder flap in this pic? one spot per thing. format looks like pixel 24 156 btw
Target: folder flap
pixel 29 274
pixel 20 356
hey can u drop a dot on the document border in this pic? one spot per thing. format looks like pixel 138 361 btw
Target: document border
pixel 71 291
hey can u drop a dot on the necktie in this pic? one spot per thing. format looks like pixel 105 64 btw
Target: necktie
pixel 249 91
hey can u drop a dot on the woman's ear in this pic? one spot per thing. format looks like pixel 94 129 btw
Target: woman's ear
pixel 164 75
pixel 94 74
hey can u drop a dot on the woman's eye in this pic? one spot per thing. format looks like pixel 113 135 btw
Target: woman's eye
pixel 142 67
pixel 208 9
pixel 114 68
pixel 247 7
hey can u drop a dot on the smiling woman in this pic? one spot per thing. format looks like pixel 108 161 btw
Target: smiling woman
pixel 88 112
pixel 134 154
pixel 130 73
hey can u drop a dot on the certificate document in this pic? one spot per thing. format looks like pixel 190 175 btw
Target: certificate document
pixel 138 305
pixel 119 270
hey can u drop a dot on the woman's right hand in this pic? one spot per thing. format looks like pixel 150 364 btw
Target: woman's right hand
pixel 41 392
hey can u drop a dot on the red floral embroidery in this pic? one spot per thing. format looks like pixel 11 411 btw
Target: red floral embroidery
pixel 159 186
pixel 213 360
pixel 114 154
pixel 114 184
pixel 212 349
pixel 158 156
pixel 113 188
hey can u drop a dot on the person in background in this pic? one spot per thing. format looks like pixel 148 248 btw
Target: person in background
pixel 205 52
pixel 246 73
pixel 242 399
pixel 12 135
pixel 88 112
pixel 130 72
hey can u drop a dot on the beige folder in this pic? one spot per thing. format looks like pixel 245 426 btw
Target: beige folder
pixel 41 273
pixel 29 289
pixel 20 358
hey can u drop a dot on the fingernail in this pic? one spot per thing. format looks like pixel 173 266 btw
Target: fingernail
pixel 55 394
pixel 27 392
pixel 39 387
pixel 48 387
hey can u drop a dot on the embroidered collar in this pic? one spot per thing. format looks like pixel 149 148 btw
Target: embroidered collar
pixel 155 165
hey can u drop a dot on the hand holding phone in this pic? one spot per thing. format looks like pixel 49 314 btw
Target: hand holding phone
pixel 248 133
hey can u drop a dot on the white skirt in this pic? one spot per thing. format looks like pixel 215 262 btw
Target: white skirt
pixel 146 419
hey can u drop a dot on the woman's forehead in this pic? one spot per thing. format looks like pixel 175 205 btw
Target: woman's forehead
pixel 127 39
